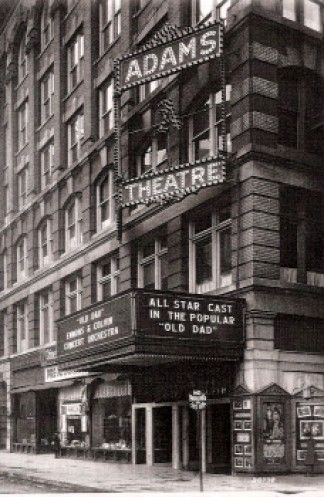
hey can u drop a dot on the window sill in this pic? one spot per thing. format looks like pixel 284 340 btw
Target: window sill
pixel 107 50
pixel 70 92
pixel 20 83
pixel 43 49
pixel 40 127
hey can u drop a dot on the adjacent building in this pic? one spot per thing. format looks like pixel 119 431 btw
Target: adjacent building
pixel 103 338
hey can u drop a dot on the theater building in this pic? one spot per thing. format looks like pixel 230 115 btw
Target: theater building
pixel 103 337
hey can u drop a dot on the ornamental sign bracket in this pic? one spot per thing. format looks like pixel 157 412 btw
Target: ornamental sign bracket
pixel 171 51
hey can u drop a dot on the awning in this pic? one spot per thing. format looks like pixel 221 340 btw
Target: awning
pixel 43 386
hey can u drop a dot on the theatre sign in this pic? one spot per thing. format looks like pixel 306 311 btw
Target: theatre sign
pixel 154 60
pixel 177 50
pixel 154 322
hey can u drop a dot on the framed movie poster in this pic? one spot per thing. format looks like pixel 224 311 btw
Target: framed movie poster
pixel 273 432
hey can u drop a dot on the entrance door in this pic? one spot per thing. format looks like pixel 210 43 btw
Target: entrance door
pixel 162 434
pixel 219 445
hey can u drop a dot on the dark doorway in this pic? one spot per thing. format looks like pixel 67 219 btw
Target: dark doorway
pixel 46 419
pixel 220 443
pixel 193 441
pixel 140 424
pixel 162 434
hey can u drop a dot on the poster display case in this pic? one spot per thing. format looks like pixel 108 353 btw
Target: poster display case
pixel 242 430
pixel 308 422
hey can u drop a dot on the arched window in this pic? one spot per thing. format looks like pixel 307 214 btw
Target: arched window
pixel 105 204
pixel 22 59
pixel 73 224
pixel 44 243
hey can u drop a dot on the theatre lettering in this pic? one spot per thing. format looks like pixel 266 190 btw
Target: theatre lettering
pixel 196 47
pixel 174 181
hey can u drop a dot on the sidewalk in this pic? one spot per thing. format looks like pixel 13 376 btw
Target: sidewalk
pixel 114 477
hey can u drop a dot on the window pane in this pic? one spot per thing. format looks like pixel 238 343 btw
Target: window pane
pixel 204 222
pixel 161 152
pixel 225 251
pixel 288 9
pixel 106 269
pixel 106 290
pixel 204 8
pixel 312 15
pixel 72 286
pixel 149 275
pixel 73 303
pixel 202 146
pixel 164 271
pixel 148 248
pixel 288 243
pixel 314 249
pixel 204 271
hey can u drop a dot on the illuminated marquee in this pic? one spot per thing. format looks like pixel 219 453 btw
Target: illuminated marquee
pixel 173 182
pixel 153 61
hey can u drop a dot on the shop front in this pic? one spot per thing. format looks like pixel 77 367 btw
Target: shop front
pixel 151 349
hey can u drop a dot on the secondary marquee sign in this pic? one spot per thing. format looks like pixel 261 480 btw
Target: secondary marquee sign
pixel 156 60
pixel 173 182
pixel 165 321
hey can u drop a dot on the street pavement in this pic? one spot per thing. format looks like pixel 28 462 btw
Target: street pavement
pixel 94 476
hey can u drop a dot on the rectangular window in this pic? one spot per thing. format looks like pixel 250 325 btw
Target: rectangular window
pixel 73 224
pixel 107 277
pixel 22 125
pixel 206 127
pixel 21 258
pixel 75 55
pixel 110 22
pixel 73 295
pixel 106 114
pixel 75 136
pixel 289 9
pixel 299 333
pixel 22 59
pixel 105 211
pixel 47 23
pixel 22 178
pixel 22 327
pixel 45 243
pixel 153 264
pixel 210 251
pixel 312 15
pixel 4 269
pixel 45 317
pixel 47 94
pixel 47 163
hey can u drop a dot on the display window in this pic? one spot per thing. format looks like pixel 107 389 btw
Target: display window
pixel 113 422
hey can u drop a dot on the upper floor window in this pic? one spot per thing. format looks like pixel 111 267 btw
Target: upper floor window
pixel 22 125
pixel 22 326
pixel 75 136
pixel 47 94
pixel 21 258
pixel 153 263
pixel 47 163
pixel 312 15
pixel 110 22
pixel 45 243
pixel 22 59
pixel 4 343
pixel 73 294
pixel 106 112
pixel 4 270
pixel 22 178
pixel 75 54
pixel 153 156
pixel 307 12
pixel 47 28
pixel 6 200
pixel 300 96
pixel 146 89
pixel 301 236
pixel 105 205
pixel 107 277
pixel 206 127
pixel 73 224
pixel 46 317
pixel 210 251
pixel 202 10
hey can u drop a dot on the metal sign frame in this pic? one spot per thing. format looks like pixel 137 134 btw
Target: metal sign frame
pixel 119 180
